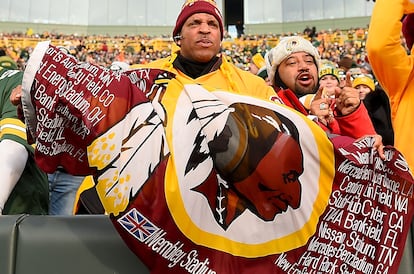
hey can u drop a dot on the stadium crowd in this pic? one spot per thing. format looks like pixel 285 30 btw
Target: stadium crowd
pixel 103 50
pixel 345 49
pixel 324 75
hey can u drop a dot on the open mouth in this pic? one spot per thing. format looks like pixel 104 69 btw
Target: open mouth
pixel 304 78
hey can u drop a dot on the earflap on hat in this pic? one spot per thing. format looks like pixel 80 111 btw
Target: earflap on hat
pixel 191 7
pixel 268 61
pixel 7 63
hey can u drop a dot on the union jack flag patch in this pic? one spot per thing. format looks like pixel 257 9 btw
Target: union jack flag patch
pixel 137 225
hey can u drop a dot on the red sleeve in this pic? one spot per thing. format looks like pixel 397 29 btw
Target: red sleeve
pixel 332 128
pixel 356 124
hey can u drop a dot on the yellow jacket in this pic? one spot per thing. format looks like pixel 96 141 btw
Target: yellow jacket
pixel 227 77
pixel 393 68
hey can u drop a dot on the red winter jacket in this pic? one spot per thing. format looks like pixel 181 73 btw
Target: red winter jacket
pixel 355 124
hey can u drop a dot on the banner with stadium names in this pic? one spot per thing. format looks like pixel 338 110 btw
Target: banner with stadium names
pixel 204 181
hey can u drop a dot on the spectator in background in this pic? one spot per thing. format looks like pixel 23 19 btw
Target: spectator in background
pixel 365 68
pixel 257 63
pixel 23 187
pixel 377 103
pixel 364 85
pixel 63 188
pixel 240 50
pixel 346 63
pixel 328 78
pixel 258 66
pixel 307 31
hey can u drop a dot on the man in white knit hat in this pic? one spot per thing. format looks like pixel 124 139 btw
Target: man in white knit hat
pixel 293 72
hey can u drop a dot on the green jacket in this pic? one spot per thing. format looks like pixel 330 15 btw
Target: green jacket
pixel 31 193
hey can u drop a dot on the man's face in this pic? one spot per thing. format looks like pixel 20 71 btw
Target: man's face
pixel 200 37
pixel 299 73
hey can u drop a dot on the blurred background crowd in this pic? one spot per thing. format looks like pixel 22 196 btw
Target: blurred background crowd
pixel 333 45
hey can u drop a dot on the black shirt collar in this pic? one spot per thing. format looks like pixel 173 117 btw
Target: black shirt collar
pixel 196 69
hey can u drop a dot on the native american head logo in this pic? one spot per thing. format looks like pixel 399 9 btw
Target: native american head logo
pixel 257 162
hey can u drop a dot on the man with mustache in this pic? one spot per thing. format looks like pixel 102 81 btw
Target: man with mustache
pixel 293 71
pixel 198 33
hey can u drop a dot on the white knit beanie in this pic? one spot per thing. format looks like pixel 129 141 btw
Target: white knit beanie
pixel 286 47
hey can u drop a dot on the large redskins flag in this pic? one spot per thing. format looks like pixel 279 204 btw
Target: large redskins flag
pixel 198 180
